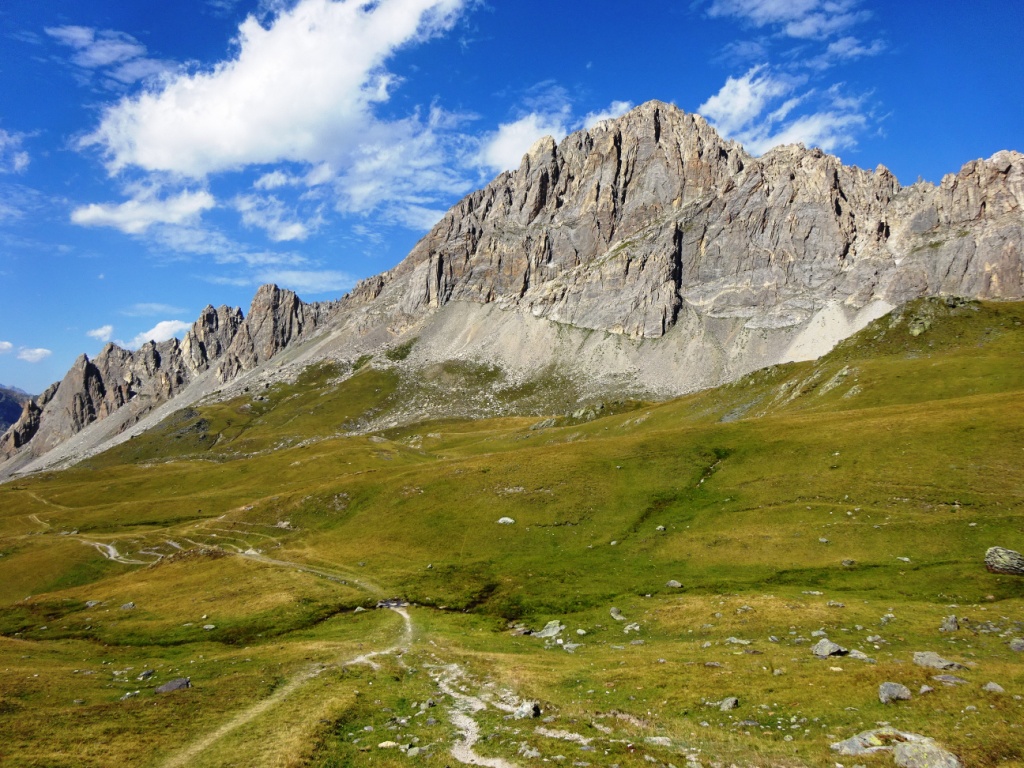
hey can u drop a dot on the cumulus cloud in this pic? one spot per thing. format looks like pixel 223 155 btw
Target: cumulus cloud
pixel 162 331
pixel 303 87
pixel 33 355
pixel 103 333
pixel 300 89
pixel 114 54
pixel 138 215
pixel 757 110
pixel 13 159
pixel 5 347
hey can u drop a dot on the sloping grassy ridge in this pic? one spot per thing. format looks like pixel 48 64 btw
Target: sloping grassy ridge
pixel 874 478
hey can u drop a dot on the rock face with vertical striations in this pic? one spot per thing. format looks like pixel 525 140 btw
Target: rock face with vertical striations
pixel 220 340
pixel 630 226
pixel 12 402
pixel 695 261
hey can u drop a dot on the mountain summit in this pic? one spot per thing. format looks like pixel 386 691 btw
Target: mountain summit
pixel 646 256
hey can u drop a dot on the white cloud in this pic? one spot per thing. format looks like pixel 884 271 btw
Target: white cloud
pixel 162 331
pixel 5 347
pixel 310 281
pixel 748 109
pixel 103 333
pixel 741 100
pixel 13 159
pixel 808 19
pixel 852 48
pixel 271 215
pixel 615 109
pixel 137 215
pixel 301 89
pixel 116 55
pixel 145 309
pixel 274 180
pixel 503 150
pixel 33 355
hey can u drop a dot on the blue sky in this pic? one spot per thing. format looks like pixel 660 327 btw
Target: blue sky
pixel 156 157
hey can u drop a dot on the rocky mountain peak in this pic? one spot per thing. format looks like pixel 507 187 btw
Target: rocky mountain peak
pixel 703 261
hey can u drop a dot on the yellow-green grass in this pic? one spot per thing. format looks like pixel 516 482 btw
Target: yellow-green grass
pixel 903 452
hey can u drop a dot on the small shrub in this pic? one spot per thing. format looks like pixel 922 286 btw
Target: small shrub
pixel 401 351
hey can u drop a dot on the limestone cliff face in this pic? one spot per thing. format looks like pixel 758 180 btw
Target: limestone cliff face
pixel 640 225
pixel 623 227
pixel 220 339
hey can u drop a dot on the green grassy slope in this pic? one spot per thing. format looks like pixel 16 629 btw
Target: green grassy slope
pixel 875 477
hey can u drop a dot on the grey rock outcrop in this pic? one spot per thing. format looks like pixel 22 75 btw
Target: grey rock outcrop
pixel 647 227
pixel 221 339
pixel 641 221
pixel 909 750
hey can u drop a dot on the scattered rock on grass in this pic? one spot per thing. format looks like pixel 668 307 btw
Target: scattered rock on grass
pixel 890 692
pixel 993 688
pixel 730 702
pixel 617 614
pixel 825 648
pixel 506 521
pixel 924 755
pixel 526 709
pixel 909 750
pixel 950 624
pixel 1000 560
pixel 673 584
pixel 177 684
pixel 1017 644
pixel 128 607
pixel 551 629
pixel 949 679
pixel 934 661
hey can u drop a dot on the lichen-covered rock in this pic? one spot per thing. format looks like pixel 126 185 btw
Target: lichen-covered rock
pixel 909 750
pixel 1000 560
pixel 924 754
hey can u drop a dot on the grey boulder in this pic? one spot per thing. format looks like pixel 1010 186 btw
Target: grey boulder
pixel 825 648
pixel 177 684
pixel 934 661
pixel 890 692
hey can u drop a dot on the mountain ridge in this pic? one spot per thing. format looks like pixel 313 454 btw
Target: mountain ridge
pixel 695 261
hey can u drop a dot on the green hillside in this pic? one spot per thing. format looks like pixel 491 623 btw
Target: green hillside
pixel 854 495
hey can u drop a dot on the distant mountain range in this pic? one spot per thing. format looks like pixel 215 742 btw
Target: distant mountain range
pixel 12 401
pixel 645 257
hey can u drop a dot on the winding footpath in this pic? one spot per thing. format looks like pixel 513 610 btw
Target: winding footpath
pixel 188 755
